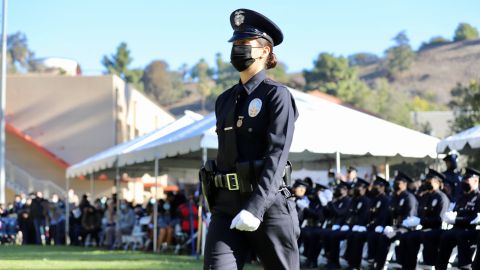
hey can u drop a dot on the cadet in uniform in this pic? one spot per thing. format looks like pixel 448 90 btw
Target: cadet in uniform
pixel 255 124
pixel 463 233
pixel 403 205
pixel 452 177
pixel 432 206
pixel 358 215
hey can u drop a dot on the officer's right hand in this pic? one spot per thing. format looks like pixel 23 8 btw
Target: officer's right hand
pixel 379 229
pixel 245 221
pixel 389 231
pixel 345 228
pixel 335 227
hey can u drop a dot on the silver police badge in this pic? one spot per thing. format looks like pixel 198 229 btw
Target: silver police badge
pixel 239 18
pixel 401 202
pixel 254 107
pixel 434 202
pixel 379 203
pixel 359 205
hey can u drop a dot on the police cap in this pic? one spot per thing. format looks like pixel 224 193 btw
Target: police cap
pixel 380 181
pixel 251 24
pixel 434 174
pixel 470 172
pixel 401 176
pixel 361 183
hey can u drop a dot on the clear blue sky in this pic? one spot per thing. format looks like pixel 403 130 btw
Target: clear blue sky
pixel 185 31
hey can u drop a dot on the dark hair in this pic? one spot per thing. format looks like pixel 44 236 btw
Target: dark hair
pixel 272 58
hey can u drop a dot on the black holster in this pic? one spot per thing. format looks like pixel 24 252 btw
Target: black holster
pixel 207 180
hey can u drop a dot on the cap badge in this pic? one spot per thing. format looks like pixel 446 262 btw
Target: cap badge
pixel 254 107
pixel 239 17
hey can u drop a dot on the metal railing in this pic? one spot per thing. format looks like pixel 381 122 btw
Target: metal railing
pixel 21 181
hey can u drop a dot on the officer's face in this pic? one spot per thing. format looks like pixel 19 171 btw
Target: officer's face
pixel 300 191
pixel 473 182
pixel 259 52
pixel 352 174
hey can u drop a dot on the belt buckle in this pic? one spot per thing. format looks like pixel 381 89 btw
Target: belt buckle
pixel 232 181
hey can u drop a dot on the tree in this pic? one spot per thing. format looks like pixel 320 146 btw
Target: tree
pixel 465 31
pixel 19 56
pixel 326 69
pixel 160 83
pixel 202 73
pixel 465 104
pixel 363 59
pixel 118 63
pixel 434 42
pixel 399 57
pixel 279 73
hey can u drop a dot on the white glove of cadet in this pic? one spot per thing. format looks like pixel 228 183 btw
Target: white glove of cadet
pixel 361 229
pixel 302 204
pixel 411 222
pixel 245 221
pixel 323 198
pixel 476 220
pixel 344 228
pixel 355 228
pixel 389 232
pixel 379 229
pixel 449 217
pixel 335 227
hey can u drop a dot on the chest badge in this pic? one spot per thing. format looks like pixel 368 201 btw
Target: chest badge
pixel 434 202
pixel 359 205
pixel 379 203
pixel 240 121
pixel 401 202
pixel 254 107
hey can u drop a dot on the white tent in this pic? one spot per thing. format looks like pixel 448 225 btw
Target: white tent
pixel 463 141
pixel 322 130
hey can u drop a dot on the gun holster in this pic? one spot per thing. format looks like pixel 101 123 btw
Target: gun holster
pixel 207 180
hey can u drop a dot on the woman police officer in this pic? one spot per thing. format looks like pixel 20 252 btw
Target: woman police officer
pixel 255 123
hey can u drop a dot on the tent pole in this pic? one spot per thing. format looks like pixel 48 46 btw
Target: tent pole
pixel 67 211
pixel 387 169
pixel 155 209
pixel 92 187
pixel 338 161
pixel 117 191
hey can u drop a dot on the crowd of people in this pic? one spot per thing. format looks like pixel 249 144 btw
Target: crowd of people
pixel 416 222
pixel 345 220
pixel 33 219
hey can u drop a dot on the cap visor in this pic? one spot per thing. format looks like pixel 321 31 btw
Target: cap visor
pixel 239 36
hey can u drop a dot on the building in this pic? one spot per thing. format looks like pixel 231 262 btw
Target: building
pixel 55 121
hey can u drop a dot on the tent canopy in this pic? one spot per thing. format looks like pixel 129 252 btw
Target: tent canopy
pixel 322 129
pixel 462 142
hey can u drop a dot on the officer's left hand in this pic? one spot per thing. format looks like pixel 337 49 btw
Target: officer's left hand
pixel 245 221
pixel 302 204
pixel 361 229
pixel 450 217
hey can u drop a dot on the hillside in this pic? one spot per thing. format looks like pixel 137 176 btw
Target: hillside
pixel 436 70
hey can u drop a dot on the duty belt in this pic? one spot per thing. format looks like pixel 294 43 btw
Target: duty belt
pixel 228 181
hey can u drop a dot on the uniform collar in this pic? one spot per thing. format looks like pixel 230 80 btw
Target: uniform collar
pixel 253 83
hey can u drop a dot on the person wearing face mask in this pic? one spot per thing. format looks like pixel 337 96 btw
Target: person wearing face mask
pixel 358 216
pixel 452 177
pixel 464 218
pixel 250 207
pixel 403 204
pixel 432 206
pixel 126 221
pixel 314 218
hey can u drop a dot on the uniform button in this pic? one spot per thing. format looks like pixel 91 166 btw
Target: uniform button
pixel 249 129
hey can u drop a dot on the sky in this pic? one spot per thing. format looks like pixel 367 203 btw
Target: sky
pixel 184 31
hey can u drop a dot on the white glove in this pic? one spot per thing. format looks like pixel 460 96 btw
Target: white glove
pixel 361 229
pixel 379 229
pixel 476 221
pixel 302 204
pixel 411 222
pixel 389 232
pixel 335 227
pixel 355 228
pixel 344 228
pixel 245 221
pixel 323 198
pixel 449 217
pixel 328 194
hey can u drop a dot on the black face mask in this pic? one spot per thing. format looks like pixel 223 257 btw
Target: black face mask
pixel 241 57
pixel 374 192
pixel 466 187
pixel 396 186
pixel 337 193
pixel 356 192
pixel 427 186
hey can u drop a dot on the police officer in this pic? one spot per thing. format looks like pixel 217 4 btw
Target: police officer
pixel 314 216
pixel 403 205
pixel 464 220
pixel 452 178
pixel 255 123
pixel 432 206
pixel 358 216
pixel 299 190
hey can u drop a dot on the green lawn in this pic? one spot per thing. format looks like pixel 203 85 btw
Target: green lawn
pixel 76 258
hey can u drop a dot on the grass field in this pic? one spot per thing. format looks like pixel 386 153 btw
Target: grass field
pixel 76 258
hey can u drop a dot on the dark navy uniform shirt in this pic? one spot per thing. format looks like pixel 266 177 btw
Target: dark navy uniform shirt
pixel 266 111
pixel 431 207
pixel 467 208
pixel 403 205
pixel 379 211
